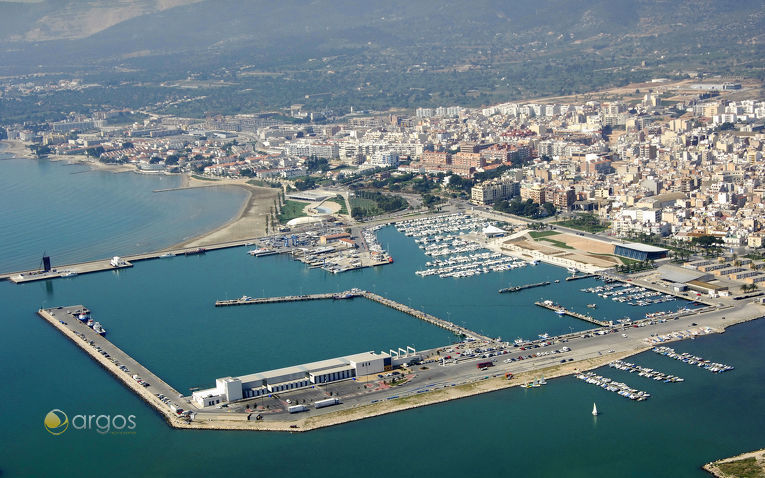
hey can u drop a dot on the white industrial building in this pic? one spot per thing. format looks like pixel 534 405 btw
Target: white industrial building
pixel 230 389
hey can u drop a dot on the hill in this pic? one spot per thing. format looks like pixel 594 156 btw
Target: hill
pixel 379 54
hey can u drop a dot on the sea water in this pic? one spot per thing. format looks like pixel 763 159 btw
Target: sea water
pixel 74 213
pixel 162 313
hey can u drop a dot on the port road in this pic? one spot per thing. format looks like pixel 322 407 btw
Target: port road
pixel 603 344
pixel 433 374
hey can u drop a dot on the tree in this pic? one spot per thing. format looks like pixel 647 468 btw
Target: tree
pixel 306 183
pixel 95 152
pixel 430 201
pixel 727 126
pixel 313 164
pixel 549 208
pixel 706 241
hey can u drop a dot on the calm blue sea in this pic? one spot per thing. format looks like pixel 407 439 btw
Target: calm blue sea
pixel 162 312
pixel 73 213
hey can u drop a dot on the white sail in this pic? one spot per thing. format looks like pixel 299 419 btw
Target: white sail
pixel 594 409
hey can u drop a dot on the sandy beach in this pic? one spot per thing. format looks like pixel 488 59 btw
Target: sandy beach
pixel 16 148
pixel 93 164
pixel 250 221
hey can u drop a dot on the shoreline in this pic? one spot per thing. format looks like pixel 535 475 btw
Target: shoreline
pixel 16 148
pixel 713 468
pixel 249 222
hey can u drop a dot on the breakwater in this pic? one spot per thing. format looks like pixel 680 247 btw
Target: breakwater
pixel 350 294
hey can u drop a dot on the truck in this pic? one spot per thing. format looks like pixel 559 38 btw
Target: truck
pixel 297 408
pixel 326 403
pixel 482 365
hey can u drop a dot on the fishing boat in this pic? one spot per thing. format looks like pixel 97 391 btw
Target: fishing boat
pixel 98 328
pixel 594 410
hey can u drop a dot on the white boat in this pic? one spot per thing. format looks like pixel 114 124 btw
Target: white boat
pixel 261 252
pixel 99 329
pixel 167 254
pixel 68 274
pixel 117 261
pixel 560 311
pixel 594 410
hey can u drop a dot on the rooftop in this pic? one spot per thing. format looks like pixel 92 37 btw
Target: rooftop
pixel 636 246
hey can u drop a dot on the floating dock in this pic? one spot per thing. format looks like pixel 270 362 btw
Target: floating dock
pixel 523 287
pixel 645 372
pixel 685 357
pixel 619 388
pixel 563 311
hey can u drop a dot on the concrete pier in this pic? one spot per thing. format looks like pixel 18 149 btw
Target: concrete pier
pixel 287 298
pixel 582 276
pixel 518 288
pixel 64 319
pixel 571 313
pixel 105 264
pixel 366 397
pixel 456 329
